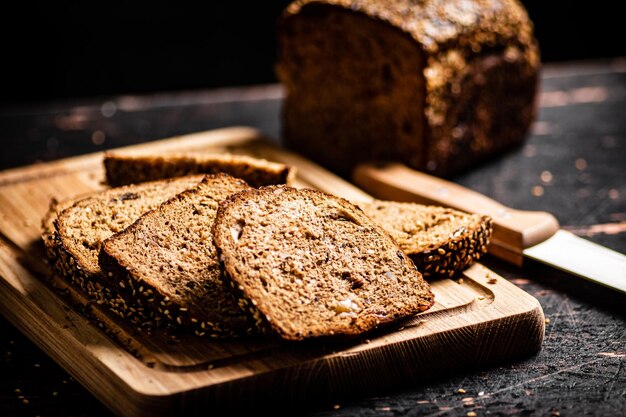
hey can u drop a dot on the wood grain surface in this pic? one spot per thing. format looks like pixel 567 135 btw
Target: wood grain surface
pixel 479 318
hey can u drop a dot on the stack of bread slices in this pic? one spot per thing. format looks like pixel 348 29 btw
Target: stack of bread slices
pixel 222 246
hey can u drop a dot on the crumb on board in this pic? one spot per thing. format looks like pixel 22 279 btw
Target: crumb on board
pixel 537 191
pixel 546 177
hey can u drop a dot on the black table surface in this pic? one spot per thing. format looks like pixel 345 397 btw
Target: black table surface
pixel 573 164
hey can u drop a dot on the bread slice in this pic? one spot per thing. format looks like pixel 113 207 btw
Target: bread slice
pixel 48 222
pixel 80 228
pixel 440 241
pixel 127 168
pixel 309 264
pixel 166 261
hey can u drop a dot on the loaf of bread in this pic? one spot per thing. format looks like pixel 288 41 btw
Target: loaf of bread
pixel 437 84
pixel 440 241
pixel 308 264
pixel 124 168
pixel 75 229
pixel 167 263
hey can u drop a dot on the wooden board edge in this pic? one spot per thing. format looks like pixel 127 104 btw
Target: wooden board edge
pixel 524 312
pixel 336 378
pixel 74 350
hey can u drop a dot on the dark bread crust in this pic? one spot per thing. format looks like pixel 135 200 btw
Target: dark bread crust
pixel 91 284
pixel 279 269
pixel 465 236
pixel 122 168
pixel 161 305
pixel 477 63
pixel 64 264
pixel 457 253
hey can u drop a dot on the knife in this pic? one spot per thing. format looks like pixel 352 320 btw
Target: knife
pixel 516 233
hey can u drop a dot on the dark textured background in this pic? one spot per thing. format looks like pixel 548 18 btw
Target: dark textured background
pixel 72 49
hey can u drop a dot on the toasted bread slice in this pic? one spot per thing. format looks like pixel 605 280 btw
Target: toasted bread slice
pixel 441 241
pixel 309 264
pixel 75 229
pixel 166 261
pixel 127 168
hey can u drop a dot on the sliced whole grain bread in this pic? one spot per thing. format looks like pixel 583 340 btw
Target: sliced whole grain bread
pixel 127 168
pixel 81 226
pixel 166 261
pixel 61 262
pixel 309 264
pixel 440 241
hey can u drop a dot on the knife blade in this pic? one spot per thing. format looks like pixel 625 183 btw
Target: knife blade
pixel 516 233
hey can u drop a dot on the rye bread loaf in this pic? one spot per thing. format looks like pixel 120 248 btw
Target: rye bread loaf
pixel 438 85
pixel 309 264
pixel 440 241
pixel 81 226
pixel 127 168
pixel 167 263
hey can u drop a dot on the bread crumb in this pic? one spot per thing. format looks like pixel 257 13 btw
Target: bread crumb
pixel 336 407
pixel 546 177
pixel 461 391
pixel 537 191
pixel 471 414
pixel 547 321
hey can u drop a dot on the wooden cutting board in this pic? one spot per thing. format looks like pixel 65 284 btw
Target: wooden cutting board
pixel 477 320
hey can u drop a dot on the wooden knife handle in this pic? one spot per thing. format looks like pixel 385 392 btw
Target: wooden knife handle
pixel 513 230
